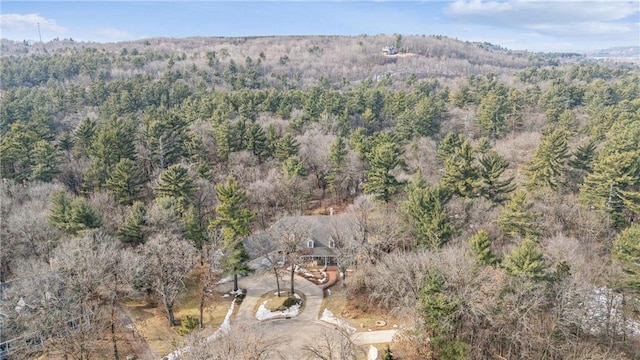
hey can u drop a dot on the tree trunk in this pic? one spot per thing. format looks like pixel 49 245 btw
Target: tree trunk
pixel 275 271
pixel 201 322
pixel 113 315
pixel 293 271
pixel 172 317
pixel 235 282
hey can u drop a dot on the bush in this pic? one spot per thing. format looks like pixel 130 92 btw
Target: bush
pixel 188 324
pixel 289 302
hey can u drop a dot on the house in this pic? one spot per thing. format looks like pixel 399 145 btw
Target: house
pixel 390 50
pixel 319 236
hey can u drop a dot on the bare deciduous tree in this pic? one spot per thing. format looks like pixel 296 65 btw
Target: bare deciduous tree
pixel 62 302
pixel 291 232
pixel 166 261
pixel 239 343
pixel 334 345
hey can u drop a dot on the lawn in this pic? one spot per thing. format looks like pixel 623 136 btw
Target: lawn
pixel 357 311
pixel 152 324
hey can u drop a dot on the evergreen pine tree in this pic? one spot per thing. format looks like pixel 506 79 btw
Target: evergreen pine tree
pixel 424 212
pixel 614 186
pixel 581 162
pixel 460 172
pixel 388 354
pixel 381 183
pixel 428 114
pixel 483 146
pixel 286 147
pixel 481 248
pixel 293 167
pixel 134 231
pixel 223 141
pixel 176 183
pixel 526 260
pixel 82 217
pixel 517 219
pixel 491 114
pixel 337 157
pixel 257 142
pixel 583 156
pixel 548 165
pixel 163 135
pixel 448 145
pixel 196 221
pixel 126 182
pixel 491 166
pixel 44 158
pixel 233 217
pixel 114 141
pixel 83 136
pixel 626 248
pixel 60 208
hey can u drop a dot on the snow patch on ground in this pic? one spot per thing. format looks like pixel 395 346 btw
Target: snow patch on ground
pixel 225 280
pixel 604 305
pixel 226 323
pixel 265 314
pixel 223 329
pixel 328 317
pixel 373 353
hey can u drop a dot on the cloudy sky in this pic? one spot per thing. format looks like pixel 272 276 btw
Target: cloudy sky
pixel 549 25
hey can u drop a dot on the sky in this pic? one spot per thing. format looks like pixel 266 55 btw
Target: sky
pixel 535 25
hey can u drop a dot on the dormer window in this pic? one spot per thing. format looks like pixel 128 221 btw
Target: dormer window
pixel 310 243
pixel 332 243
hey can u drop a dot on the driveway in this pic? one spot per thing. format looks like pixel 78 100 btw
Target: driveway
pixel 259 284
pixel 297 332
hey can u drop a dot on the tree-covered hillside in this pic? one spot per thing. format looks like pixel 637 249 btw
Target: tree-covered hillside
pixel 497 192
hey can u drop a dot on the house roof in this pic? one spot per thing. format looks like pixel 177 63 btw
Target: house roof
pixel 322 229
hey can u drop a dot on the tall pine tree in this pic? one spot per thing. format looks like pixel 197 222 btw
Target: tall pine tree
pixel 424 212
pixel 517 219
pixel 126 182
pixel 493 186
pixel 526 260
pixel 233 218
pixel 548 167
pixel 176 183
pixel 481 248
pixel 134 229
pixel 381 183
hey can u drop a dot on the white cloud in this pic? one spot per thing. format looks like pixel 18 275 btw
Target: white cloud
pixel 572 18
pixel 29 22
pixel 531 11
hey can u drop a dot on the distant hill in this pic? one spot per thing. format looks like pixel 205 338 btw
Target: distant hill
pixel 617 52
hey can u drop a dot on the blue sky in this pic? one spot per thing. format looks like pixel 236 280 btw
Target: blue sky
pixel 550 25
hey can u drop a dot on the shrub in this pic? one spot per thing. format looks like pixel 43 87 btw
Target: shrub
pixel 289 302
pixel 188 324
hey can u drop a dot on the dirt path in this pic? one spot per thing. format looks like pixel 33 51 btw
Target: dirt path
pixel 374 337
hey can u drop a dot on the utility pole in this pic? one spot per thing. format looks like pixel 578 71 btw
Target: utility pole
pixel 39 33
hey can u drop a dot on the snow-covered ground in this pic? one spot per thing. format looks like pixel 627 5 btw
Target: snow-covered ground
pixel 265 314
pixel 603 307
pixel 373 353
pixel 327 316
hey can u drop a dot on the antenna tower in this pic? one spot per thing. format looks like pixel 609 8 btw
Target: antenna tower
pixel 39 33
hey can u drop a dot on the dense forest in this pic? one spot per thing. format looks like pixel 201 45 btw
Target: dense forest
pixel 497 192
